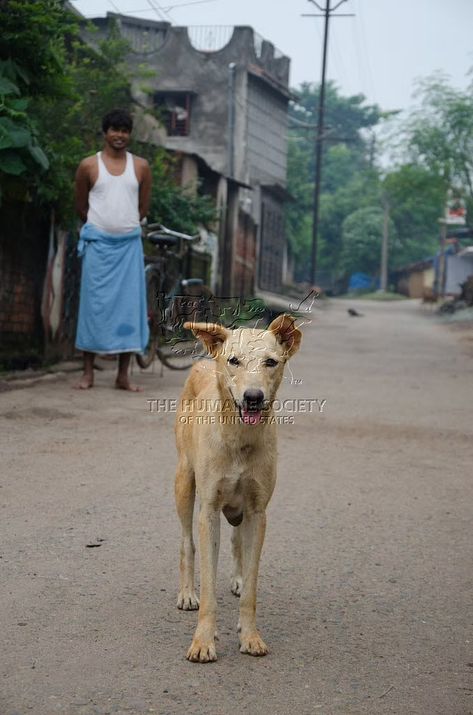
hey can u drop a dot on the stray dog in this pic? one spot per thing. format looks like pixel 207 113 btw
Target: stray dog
pixel 429 296
pixel 226 442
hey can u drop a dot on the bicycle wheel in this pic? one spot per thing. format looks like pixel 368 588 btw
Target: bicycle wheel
pixel 178 348
pixel 153 287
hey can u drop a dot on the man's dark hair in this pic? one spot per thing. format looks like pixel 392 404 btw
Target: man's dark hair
pixel 117 119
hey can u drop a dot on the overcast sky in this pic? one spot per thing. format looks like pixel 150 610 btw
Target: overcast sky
pixel 379 52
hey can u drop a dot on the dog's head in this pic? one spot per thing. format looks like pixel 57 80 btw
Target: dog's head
pixel 250 361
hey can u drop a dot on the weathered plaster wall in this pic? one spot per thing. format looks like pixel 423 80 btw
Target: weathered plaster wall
pixel 267 134
pixel 260 95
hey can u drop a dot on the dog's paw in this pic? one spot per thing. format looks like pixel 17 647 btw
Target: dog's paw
pixel 187 601
pixel 202 651
pixel 236 585
pixel 253 644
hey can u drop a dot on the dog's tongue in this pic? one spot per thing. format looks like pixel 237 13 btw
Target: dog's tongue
pixel 251 418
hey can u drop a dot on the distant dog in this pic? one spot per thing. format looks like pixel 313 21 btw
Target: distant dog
pixel 226 440
pixel 429 296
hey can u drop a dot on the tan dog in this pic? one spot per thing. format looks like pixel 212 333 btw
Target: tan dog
pixel 226 440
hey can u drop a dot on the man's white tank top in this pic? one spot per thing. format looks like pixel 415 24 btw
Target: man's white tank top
pixel 114 200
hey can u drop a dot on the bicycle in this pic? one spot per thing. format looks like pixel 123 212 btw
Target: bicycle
pixel 172 300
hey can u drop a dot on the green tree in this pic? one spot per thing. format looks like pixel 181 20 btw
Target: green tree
pixel 298 214
pixel 348 177
pixel 31 65
pixel 416 198
pixel 54 90
pixel 180 208
pixel 362 236
pixel 438 135
pixel 361 192
pixel 98 80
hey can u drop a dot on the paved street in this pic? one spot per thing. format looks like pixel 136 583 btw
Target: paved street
pixel 366 588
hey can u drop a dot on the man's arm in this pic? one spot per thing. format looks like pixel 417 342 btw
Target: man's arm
pixel 145 189
pixel 82 188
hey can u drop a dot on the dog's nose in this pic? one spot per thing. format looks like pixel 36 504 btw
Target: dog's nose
pixel 253 397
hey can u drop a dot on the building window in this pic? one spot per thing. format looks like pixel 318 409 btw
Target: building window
pixel 175 111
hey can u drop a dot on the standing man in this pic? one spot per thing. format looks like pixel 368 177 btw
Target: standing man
pixel 113 192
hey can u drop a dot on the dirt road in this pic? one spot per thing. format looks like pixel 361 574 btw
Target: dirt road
pixel 365 595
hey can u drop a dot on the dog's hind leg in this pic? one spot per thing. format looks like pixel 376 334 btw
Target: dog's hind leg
pixel 236 581
pixel 185 498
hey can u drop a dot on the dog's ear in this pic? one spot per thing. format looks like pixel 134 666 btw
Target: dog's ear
pixel 210 334
pixel 286 332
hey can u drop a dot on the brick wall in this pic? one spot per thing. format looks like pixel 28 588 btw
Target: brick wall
pixel 23 252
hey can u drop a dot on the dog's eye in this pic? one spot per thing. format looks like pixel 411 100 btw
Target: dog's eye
pixel 233 360
pixel 270 362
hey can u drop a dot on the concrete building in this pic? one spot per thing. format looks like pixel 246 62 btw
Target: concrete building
pixel 458 270
pixel 413 279
pixel 222 95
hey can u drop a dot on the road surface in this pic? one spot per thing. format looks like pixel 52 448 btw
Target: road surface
pixel 365 595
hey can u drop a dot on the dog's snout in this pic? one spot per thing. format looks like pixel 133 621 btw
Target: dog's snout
pixel 253 397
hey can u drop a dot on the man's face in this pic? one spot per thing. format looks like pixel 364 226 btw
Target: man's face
pixel 117 137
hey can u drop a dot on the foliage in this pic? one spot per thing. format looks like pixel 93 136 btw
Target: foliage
pixel 31 64
pixel 433 150
pixel 347 177
pixel 98 80
pixel 362 191
pixel 415 197
pixel 438 134
pixel 298 214
pixel 19 147
pixel 344 116
pixel 32 36
pixel 362 234
pixel 182 209
pixel 54 90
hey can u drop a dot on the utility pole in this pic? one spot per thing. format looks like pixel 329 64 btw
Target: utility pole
pixel 231 119
pixel 327 13
pixel 384 248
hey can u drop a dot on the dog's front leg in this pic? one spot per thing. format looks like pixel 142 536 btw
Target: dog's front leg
pixel 185 497
pixel 202 648
pixel 252 531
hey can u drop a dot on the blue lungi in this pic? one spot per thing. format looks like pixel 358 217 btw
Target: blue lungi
pixel 112 311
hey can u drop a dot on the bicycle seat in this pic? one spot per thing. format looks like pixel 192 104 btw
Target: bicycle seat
pixel 162 239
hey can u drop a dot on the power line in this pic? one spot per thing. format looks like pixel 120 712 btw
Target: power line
pixel 166 9
pixel 157 10
pixel 114 6
pixel 364 52
pixel 328 12
pixel 184 4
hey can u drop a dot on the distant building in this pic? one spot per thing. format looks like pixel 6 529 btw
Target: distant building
pixel 413 279
pixel 223 95
pixel 443 273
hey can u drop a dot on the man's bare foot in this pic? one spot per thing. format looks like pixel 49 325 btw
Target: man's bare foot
pixel 85 382
pixel 123 383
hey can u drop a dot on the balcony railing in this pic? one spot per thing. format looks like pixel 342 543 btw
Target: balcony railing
pixel 210 38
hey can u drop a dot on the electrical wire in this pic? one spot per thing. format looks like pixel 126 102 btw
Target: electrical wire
pixel 166 8
pixel 338 58
pixel 157 10
pixel 359 62
pixel 364 53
